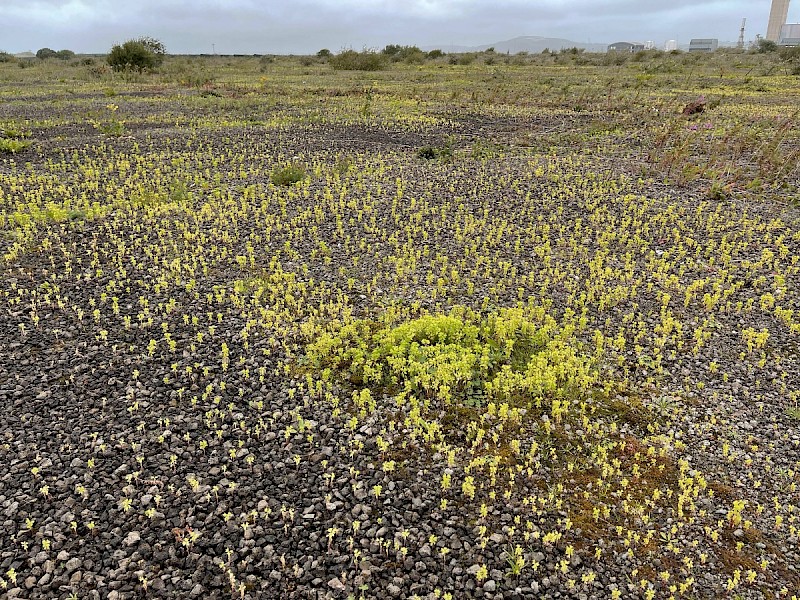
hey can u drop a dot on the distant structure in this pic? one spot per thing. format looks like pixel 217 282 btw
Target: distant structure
pixel 626 47
pixel 649 45
pixel 790 35
pixel 703 45
pixel 777 17
pixel 740 43
pixel 671 45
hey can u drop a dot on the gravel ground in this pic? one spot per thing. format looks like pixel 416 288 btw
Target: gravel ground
pixel 158 440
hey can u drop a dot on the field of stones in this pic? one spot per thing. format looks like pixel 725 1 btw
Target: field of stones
pixel 484 326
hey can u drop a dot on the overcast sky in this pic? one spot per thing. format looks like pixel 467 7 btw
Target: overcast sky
pixel 305 26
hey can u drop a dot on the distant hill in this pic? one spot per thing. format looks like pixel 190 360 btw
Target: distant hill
pixel 527 43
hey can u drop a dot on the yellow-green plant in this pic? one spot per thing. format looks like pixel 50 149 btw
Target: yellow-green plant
pixel 507 356
pixel 13 145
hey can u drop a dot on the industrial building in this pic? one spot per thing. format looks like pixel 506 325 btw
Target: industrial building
pixel 626 47
pixel 777 18
pixel 790 35
pixel 703 45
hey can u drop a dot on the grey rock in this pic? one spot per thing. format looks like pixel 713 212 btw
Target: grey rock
pixel 336 584
pixel 73 564
pixel 132 538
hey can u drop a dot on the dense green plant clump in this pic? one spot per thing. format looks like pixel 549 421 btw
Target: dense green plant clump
pixel 765 46
pixel 445 152
pixel 45 53
pixel 407 54
pixel 12 145
pixel 141 54
pixel 460 358
pixel 367 60
pixel 288 175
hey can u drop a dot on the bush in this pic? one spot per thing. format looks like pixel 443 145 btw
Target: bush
pixel 407 54
pixel 65 54
pixel 45 53
pixel 465 59
pixel 142 54
pixel 324 53
pixel 444 153
pixel 391 49
pixel 350 60
pixel 5 57
pixel 615 58
pixel 288 175
pixel 434 54
pixel 765 46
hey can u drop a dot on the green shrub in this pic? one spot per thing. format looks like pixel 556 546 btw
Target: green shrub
pixel 5 57
pixel 288 175
pixel 142 54
pixel 407 54
pixel 111 129
pixel 463 59
pixel 444 153
pixel 391 49
pixel 45 53
pixel 350 60
pixel 766 46
pixel 615 58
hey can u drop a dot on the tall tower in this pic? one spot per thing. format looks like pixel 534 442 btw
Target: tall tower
pixel 777 18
